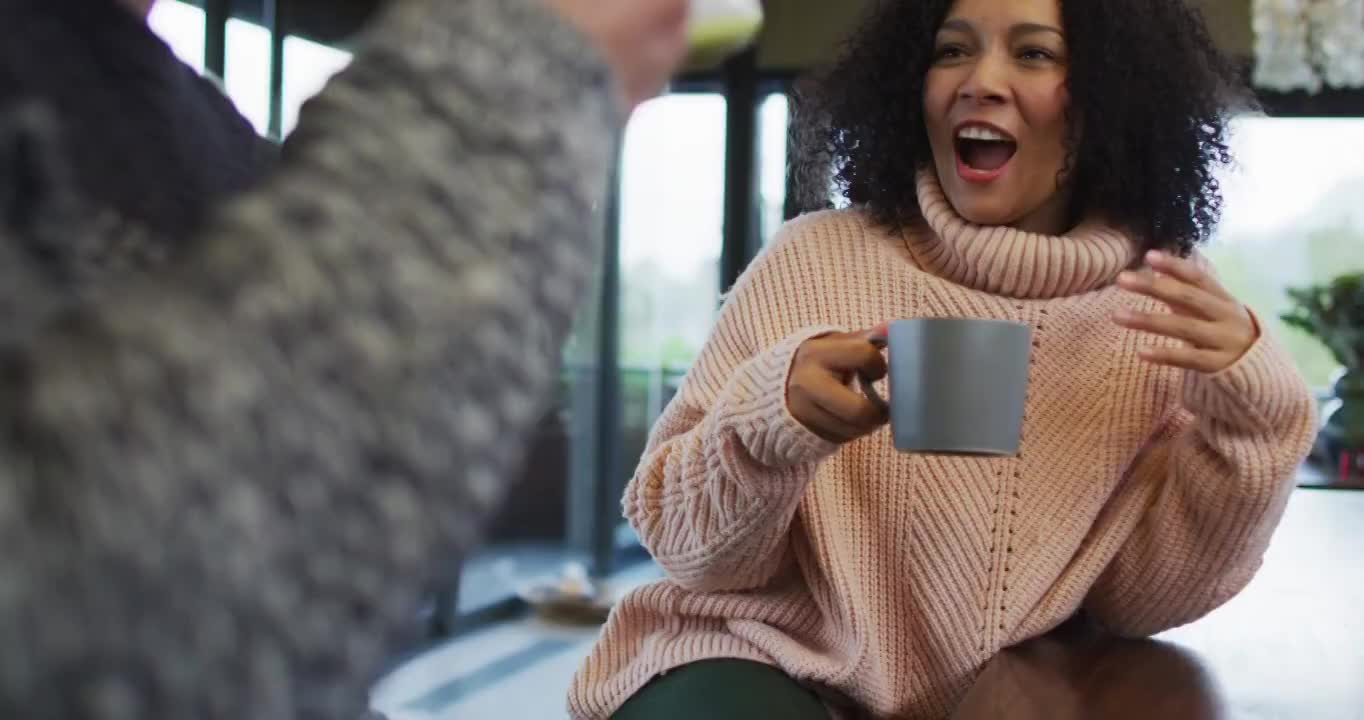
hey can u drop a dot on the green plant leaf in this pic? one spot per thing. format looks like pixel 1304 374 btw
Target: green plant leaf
pixel 1333 314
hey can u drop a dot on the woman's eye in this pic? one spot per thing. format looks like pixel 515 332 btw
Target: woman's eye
pixel 1036 54
pixel 948 52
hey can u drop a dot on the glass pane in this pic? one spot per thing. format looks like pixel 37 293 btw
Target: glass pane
pixel 1294 216
pixel 772 124
pixel 181 26
pixel 307 65
pixel 672 215
pixel 307 68
pixel 247 71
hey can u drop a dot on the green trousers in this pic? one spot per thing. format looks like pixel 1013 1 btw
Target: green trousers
pixel 723 690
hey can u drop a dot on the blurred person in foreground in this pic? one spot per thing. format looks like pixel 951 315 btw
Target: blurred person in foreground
pixel 242 427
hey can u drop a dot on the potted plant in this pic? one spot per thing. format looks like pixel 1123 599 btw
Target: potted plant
pixel 1334 315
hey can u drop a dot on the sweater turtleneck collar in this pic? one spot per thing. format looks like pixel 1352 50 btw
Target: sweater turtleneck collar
pixel 1005 261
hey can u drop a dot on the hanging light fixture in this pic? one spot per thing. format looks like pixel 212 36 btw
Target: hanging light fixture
pixel 1309 44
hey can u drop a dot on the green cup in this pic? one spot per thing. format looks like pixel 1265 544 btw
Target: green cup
pixel 718 28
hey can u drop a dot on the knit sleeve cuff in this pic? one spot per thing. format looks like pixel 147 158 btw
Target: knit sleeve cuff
pixel 1261 392
pixel 758 413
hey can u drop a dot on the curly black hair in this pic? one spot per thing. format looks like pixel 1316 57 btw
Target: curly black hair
pixel 1153 92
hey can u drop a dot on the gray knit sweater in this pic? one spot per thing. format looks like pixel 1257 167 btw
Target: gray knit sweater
pixel 228 470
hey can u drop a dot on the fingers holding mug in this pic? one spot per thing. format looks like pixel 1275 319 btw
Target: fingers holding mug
pixel 818 390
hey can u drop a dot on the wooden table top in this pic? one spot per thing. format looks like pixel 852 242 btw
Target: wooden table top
pixel 1290 647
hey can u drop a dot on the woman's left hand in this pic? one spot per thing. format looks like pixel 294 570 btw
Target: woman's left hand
pixel 1215 327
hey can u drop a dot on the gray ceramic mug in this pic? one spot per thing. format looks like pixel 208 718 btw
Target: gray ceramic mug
pixel 957 385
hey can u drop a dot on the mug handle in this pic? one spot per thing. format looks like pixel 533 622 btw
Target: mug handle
pixel 881 342
pixel 869 390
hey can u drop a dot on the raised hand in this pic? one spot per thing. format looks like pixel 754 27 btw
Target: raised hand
pixel 643 41
pixel 1215 327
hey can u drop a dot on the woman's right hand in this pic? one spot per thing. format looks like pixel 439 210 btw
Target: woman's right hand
pixel 819 390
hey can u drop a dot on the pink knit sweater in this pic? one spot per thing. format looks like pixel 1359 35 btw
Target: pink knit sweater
pixel 1144 495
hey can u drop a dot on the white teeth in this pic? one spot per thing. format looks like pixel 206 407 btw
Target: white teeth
pixel 976 132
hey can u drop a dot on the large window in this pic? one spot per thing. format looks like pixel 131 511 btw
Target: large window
pixel 307 65
pixel 671 223
pixel 247 58
pixel 307 68
pixel 773 119
pixel 649 320
pixel 1294 216
pixel 246 73
pixel 181 26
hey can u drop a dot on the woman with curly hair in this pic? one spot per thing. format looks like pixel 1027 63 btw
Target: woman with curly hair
pixel 1043 162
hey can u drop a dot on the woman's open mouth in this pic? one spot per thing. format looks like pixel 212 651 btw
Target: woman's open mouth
pixel 983 152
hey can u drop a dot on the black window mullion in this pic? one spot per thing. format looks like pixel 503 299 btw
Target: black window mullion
pixel 593 503
pixel 215 36
pixel 741 242
pixel 273 17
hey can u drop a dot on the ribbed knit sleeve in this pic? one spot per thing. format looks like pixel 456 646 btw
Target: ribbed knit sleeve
pixel 1228 458
pixel 726 465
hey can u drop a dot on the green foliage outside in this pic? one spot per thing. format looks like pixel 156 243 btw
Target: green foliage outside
pixel 1333 313
pixel 1261 273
